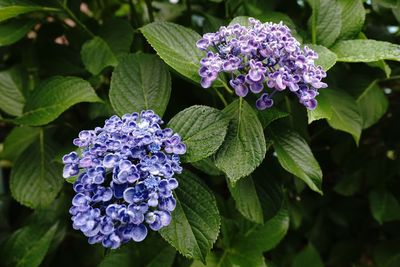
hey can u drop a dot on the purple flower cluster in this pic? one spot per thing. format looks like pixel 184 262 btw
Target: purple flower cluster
pixel 262 58
pixel 125 178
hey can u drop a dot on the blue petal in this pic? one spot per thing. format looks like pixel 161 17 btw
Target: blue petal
pixel 139 233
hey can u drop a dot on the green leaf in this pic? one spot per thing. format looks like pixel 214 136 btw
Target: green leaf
pixel 247 202
pixel 345 114
pixel 18 140
pixel 269 190
pixel 152 252
pixel 309 257
pixel 233 258
pixel 353 17
pixel 202 130
pixel 97 55
pixel 28 246
pixel 325 21
pixel 118 34
pixel 326 58
pixel 11 91
pixel 14 30
pixel 35 179
pixel 176 45
pixel 366 51
pixel 372 104
pixel 196 222
pixel 244 147
pixel 53 96
pixel 270 115
pixel 262 238
pixel 323 110
pixel 140 82
pixel 11 8
pixel 295 156
pixel 384 206
pixel 207 166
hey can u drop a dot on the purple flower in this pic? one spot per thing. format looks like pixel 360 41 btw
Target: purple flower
pixel 125 178
pixel 263 58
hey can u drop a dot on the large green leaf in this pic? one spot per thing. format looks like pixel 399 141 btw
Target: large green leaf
pixel 366 51
pixel 176 45
pixel 296 157
pixel 345 114
pixel 13 8
pixel 202 130
pixel 372 104
pixel 247 201
pixel 196 220
pixel 13 30
pixel 97 55
pixel 28 246
pixel 36 179
pixel 140 82
pixel 264 237
pixel 244 147
pixel 353 17
pixel 384 206
pixel 309 257
pixel 326 58
pixel 12 98
pixel 53 96
pixel 325 21
pixel 18 140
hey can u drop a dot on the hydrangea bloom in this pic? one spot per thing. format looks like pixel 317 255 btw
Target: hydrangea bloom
pixel 125 178
pixel 263 58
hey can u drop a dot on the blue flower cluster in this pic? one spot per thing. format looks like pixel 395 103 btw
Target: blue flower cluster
pixel 261 55
pixel 125 178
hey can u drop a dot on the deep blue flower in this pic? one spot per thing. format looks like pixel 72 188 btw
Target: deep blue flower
pixel 125 178
pixel 258 55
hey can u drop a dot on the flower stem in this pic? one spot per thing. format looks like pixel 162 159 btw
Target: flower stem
pixel 150 10
pixel 74 18
pixel 223 100
pixel 229 90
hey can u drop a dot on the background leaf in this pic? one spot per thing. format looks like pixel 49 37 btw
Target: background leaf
pixel 202 130
pixel 372 104
pixel 97 55
pixel 308 257
pixel 11 91
pixel 296 157
pixel 52 97
pixel 366 51
pixel 326 58
pixel 28 246
pixel 263 237
pixel 353 17
pixel 36 180
pixel 10 9
pixel 384 206
pixel 195 226
pixel 18 140
pixel 176 45
pixel 325 21
pixel 247 202
pixel 140 82
pixel 345 114
pixel 14 30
